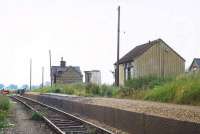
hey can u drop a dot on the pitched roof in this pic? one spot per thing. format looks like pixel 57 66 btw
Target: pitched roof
pixel 197 60
pixel 139 50
pixel 58 70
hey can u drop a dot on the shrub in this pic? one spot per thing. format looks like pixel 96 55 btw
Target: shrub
pixel 57 90
pixel 109 91
pixel 146 82
pixel 4 107
pixel 4 103
pixel 92 89
pixel 185 89
pixel 162 94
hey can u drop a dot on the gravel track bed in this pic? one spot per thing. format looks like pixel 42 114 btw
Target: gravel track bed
pixel 22 124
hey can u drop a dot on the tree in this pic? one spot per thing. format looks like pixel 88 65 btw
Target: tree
pixel 24 86
pixel 35 87
pixel 12 86
pixel 2 86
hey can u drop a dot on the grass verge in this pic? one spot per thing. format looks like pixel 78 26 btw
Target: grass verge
pixel 183 89
pixel 4 109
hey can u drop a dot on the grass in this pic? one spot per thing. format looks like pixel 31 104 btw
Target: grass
pixel 4 108
pixel 81 90
pixel 146 82
pixel 183 89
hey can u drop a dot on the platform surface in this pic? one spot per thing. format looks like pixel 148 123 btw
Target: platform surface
pixel 173 111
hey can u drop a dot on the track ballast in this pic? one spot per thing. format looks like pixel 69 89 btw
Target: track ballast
pixel 60 121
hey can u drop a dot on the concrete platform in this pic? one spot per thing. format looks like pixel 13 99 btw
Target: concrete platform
pixel 128 121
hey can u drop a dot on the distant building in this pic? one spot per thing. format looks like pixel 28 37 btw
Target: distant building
pixel 93 77
pixel 66 74
pixel 195 66
pixel 152 58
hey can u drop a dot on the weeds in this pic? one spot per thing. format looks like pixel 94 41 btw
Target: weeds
pixel 4 103
pixel 183 89
pixel 4 108
pixel 81 90
pixel 36 116
pixel 146 82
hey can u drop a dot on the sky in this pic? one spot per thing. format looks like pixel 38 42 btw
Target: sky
pixel 84 33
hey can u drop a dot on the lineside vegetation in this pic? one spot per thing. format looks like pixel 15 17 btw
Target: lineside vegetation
pixel 4 109
pixel 183 89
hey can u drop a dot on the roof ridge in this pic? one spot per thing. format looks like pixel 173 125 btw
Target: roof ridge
pixel 196 58
pixel 137 51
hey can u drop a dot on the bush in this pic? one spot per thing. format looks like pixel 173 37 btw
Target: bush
pixel 4 108
pixel 108 91
pixel 147 82
pixel 92 89
pixel 162 94
pixel 4 103
pixel 81 89
pixel 185 89
pixel 190 97
pixel 57 90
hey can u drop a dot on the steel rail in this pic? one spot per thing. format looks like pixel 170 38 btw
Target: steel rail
pixel 54 127
pixel 57 129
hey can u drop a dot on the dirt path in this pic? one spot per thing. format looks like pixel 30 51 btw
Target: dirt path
pixel 20 117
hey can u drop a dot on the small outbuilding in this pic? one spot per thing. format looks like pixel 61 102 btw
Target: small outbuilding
pixel 152 58
pixel 93 77
pixel 195 66
pixel 66 74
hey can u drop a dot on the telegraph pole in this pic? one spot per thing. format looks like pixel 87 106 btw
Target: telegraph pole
pixel 50 66
pixel 30 73
pixel 42 77
pixel 118 43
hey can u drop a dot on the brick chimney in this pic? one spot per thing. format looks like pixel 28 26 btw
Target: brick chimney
pixel 62 62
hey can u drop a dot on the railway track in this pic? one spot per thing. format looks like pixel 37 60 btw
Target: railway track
pixel 60 121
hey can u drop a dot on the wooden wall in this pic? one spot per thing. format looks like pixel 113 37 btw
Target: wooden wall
pixel 121 74
pixel 159 60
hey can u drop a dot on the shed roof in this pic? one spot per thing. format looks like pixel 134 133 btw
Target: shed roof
pixel 139 50
pixel 197 60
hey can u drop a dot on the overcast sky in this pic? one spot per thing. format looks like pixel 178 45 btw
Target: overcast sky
pixel 84 32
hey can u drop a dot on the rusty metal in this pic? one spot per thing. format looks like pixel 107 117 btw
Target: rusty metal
pixel 60 121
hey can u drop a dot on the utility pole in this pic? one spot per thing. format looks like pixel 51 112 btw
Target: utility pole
pixel 42 77
pixel 50 66
pixel 118 43
pixel 30 73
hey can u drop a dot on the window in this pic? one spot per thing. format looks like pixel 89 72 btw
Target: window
pixel 88 77
pixel 128 71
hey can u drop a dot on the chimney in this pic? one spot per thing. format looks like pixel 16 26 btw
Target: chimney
pixel 62 62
